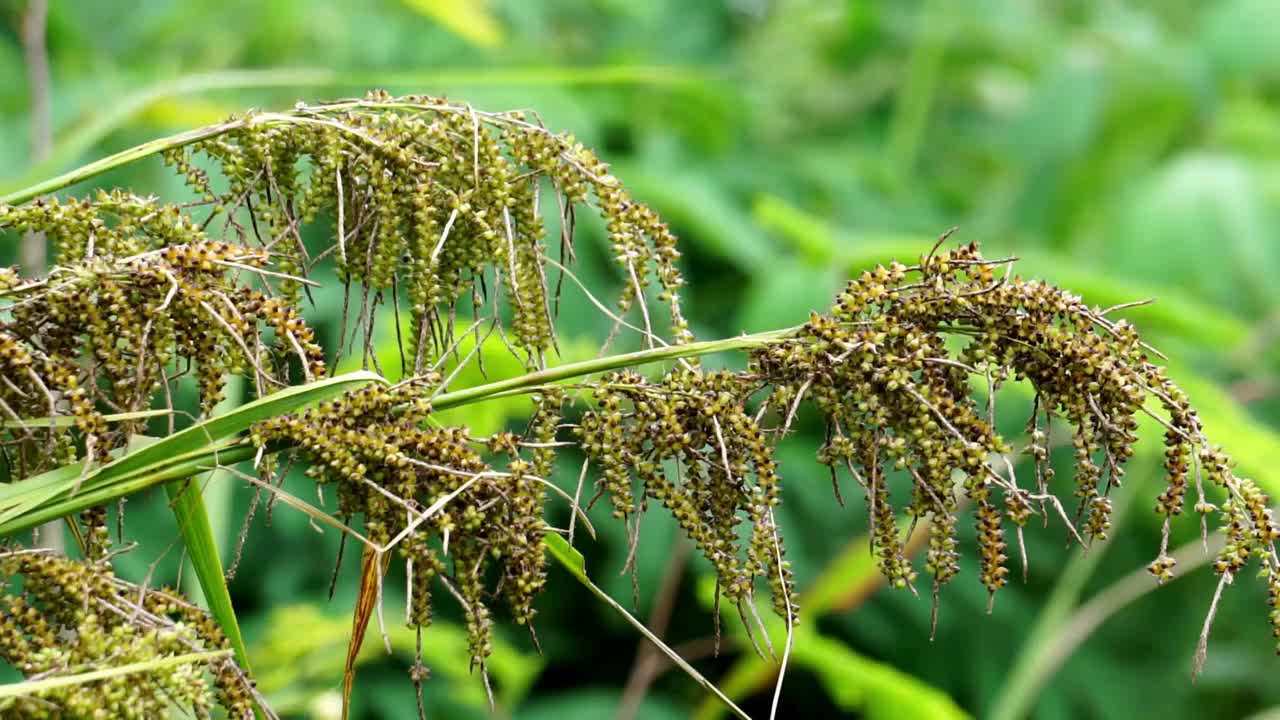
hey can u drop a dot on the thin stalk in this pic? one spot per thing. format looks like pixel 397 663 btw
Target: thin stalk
pixel 34 255
pixel 31 687
pixel 525 383
pixel 571 560
pixel 124 157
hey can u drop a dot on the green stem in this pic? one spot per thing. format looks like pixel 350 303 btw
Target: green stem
pixel 32 687
pixel 124 157
pixel 530 381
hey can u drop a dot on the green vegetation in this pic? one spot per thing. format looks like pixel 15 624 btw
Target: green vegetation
pixel 1120 153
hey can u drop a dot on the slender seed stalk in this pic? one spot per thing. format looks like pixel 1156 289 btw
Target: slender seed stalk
pixel 570 371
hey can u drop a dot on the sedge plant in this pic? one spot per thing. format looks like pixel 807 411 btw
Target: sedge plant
pixel 457 228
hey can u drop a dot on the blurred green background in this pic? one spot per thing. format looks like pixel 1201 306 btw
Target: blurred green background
pixel 1125 150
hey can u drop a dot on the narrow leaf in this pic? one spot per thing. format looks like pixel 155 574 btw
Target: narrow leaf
pixel 205 443
pixel 371 572
pixel 197 536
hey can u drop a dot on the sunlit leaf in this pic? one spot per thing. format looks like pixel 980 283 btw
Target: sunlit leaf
pixel 471 20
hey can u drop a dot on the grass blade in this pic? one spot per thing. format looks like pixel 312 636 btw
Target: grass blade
pixel 207 443
pixel 197 535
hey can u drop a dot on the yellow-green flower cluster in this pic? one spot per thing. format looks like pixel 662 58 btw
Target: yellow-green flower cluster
pixel 62 617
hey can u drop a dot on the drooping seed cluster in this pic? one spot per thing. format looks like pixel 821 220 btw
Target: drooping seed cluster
pixel 430 195
pixel 62 617
pixel 693 447
pixel 430 495
pixel 896 398
pixel 111 331
pixel 427 198
pixel 102 334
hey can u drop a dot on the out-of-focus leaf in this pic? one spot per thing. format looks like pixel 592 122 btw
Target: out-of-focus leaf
pixel 187 112
pixel 1238 37
pixel 878 690
pixel 809 235
pixel 471 20
pixel 853 574
pixel 303 649
pixel 594 704
pixel 1254 445
pixel 786 295
pixel 697 204
pixel 854 682
pixel 1201 224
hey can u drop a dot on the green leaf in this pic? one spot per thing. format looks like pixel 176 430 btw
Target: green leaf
pixel 221 427
pixel 707 212
pixel 1237 36
pixel 1195 196
pixel 197 536
pixel 72 488
pixel 855 683
pixel 471 20
pixel 568 557
pixel 852 575
pixel 879 690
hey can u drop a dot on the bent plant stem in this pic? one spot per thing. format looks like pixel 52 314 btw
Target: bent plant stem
pixel 31 687
pixel 570 371
pixel 303 115
pixel 84 134
pixel 571 560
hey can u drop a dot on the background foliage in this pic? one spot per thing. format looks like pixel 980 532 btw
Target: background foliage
pixel 1124 149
